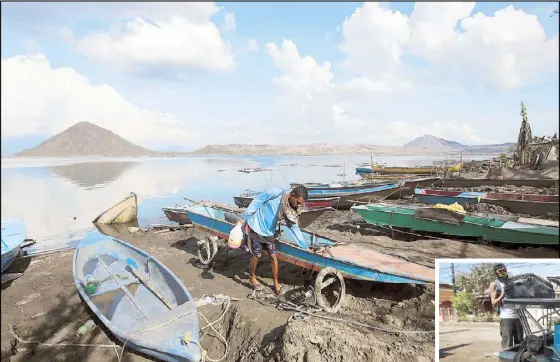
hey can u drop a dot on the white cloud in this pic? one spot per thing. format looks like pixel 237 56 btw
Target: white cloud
pixel 374 40
pixel 507 50
pixel 40 99
pixel 392 59
pixel 299 72
pixel 229 22
pixel 178 35
pixel 343 120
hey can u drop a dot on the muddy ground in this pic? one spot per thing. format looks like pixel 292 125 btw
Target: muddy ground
pixel 43 304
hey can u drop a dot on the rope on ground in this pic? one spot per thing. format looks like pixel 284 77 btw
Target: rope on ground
pixel 61 344
pixel 287 305
pixel 119 355
pixel 214 299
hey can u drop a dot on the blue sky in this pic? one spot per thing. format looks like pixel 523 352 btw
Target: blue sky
pixel 183 75
pixel 544 268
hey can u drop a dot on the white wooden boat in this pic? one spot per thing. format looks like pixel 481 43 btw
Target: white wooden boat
pixel 122 212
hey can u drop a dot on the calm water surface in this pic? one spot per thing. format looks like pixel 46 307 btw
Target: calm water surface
pixel 58 198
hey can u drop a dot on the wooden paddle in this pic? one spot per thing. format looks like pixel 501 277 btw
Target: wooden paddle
pixel 134 272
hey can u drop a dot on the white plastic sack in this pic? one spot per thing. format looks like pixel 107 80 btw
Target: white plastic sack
pixel 235 237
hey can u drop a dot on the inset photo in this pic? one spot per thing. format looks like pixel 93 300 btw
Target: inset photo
pixel 498 310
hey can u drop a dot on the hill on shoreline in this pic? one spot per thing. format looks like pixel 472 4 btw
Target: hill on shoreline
pixel 85 139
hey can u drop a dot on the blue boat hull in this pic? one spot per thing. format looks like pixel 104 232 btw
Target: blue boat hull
pixel 363 170
pixel 214 221
pixel 13 235
pixel 128 308
pixel 356 191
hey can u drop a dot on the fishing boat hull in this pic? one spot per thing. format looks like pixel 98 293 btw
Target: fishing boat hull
pixel 493 182
pixel 128 308
pixel 373 194
pixel 432 197
pixel 534 205
pixel 116 230
pixel 180 215
pixel 350 260
pixel 310 204
pixel 122 212
pixel 175 214
pixel 13 236
pixel 342 186
pixel 486 228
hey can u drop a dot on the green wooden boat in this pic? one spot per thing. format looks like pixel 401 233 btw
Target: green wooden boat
pixel 484 226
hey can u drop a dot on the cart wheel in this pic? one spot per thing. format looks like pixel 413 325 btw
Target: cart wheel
pixel 207 249
pixel 329 289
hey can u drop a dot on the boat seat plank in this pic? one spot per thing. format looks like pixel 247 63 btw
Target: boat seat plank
pixel 113 287
pixel 123 288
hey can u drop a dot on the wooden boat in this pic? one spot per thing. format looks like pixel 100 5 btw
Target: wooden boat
pixel 371 176
pixel 351 261
pixel 351 196
pixel 245 199
pixel 430 170
pixel 341 186
pixel 179 214
pixel 130 292
pixel 124 211
pixel 529 204
pixel 431 197
pixel 117 230
pixel 492 182
pixel 495 228
pixel 13 236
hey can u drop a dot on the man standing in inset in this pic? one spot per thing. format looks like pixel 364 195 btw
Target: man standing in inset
pixel 511 329
pixel 261 227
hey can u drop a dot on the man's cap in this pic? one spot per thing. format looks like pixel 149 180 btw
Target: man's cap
pixel 497 266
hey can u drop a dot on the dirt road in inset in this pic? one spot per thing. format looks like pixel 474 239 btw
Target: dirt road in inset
pixel 468 341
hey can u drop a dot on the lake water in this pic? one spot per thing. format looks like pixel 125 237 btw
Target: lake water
pixel 59 197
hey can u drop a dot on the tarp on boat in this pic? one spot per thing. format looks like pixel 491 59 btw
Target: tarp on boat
pixel 438 214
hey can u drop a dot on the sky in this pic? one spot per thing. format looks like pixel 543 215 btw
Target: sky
pixel 545 268
pixel 178 76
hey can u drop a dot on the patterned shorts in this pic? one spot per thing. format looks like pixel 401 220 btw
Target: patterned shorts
pixel 257 245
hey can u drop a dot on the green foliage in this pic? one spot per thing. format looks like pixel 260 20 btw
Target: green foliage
pixel 462 302
pixel 503 156
pixel 463 318
pixel 478 280
pixel 486 317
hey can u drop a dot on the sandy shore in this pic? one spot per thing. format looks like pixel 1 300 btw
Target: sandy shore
pixel 44 305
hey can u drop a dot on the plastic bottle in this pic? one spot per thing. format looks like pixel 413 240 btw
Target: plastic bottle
pixel 85 327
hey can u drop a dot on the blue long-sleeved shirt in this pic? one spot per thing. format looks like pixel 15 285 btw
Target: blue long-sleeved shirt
pixel 262 216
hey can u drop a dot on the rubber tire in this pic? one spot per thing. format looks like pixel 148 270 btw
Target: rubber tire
pixel 210 242
pixel 321 302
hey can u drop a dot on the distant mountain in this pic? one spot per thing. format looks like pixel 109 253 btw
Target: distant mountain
pixel 429 142
pixel 86 139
